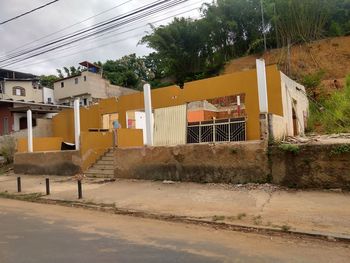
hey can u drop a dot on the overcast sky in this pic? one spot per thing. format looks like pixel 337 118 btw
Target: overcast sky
pixel 65 13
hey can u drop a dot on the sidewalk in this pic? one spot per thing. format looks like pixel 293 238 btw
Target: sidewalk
pixel 318 212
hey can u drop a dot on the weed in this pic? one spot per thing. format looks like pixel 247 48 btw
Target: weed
pixel 241 216
pixel 341 149
pixel 292 148
pixel 7 149
pixel 285 228
pixel 269 178
pixel 331 113
pixel 218 218
pixel 231 218
pixel 257 220
pixel 23 197
pixel 234 150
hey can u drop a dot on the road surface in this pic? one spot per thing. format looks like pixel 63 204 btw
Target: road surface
pixel 47 233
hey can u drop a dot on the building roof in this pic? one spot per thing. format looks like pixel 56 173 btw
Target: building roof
pixel 33 103
pixel 16 75
pixel 88 64
pixel 69 77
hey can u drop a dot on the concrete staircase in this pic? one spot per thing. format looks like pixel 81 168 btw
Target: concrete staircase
pixel 104 167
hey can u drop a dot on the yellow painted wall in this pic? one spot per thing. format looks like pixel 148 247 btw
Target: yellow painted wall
pixel 129 137
pixel 225 85
pixel 93 145
pixel 40 144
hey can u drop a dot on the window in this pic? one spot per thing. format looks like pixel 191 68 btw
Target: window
pixel 85 102
pixel 62 84
pixel 76 80
pixel 84 78
pixel 18 91
pixel 49 100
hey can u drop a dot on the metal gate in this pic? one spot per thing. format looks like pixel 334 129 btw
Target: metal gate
pixel 222 130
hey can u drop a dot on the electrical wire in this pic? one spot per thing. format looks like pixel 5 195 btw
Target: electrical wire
pixel 68 27
pixel 107 44
pixel 140 13
pixel 129 30
pixel 28 12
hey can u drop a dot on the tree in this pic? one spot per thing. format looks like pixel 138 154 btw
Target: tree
pixel 129 71
pixel 180 45
pixel 48 81
pixel 70 72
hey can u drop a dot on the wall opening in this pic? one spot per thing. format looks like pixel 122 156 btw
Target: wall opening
pixel 221 119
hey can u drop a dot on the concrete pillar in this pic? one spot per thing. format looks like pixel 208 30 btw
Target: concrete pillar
pixel 262 85
pixel 238 105
pixel 77 123
pixel 148 112
pixel 30 131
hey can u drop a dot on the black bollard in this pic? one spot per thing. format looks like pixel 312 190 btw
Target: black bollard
pixel 19 186
pixel 80 190
pixel 47 186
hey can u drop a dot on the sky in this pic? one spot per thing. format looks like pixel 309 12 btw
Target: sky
pixel 33 29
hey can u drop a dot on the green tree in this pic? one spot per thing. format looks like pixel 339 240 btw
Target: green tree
pixel 129 71
pixel 48 81
pixel 181 45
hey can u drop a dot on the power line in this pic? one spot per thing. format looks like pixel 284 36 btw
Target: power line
pixel 106 44
pixel 28 12
pixel 96 29
pixel 67 27
pixel 69 47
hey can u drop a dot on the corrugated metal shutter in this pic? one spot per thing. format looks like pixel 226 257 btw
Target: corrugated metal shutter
pixel 170 125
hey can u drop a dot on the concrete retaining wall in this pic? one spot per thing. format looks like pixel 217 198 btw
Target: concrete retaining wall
pixel 206 163
pixel 50 163
pixel 312 166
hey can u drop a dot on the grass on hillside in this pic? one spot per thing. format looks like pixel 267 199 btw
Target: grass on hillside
pixel 332 113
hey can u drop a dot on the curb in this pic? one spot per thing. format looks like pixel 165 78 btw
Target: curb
pixel 183 219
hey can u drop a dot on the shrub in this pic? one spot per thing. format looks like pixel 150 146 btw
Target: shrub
pixel 334 114
pixel 340 149
pixel 292 148
pixel 7 148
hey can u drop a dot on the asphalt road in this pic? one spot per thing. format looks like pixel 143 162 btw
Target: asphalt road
pixel 47 233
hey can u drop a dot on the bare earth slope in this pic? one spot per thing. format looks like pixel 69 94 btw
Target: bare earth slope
pixel 331 55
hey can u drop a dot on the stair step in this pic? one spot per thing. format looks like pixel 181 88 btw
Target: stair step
pixel 103 166
pixel 99 171
pixel 109 155
pixel 103 162
pixel 107 158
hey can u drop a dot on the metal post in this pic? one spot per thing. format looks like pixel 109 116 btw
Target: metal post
pixel 30 131
pixel 80 190
pixel 77 123
pixel 47 186
pixel 19 186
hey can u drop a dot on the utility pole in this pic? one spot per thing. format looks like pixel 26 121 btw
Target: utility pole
pixel 263 24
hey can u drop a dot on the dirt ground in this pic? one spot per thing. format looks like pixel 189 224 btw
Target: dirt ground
pixel 325 212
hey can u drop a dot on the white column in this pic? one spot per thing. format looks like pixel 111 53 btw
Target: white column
pixel 148 112
pixel 77 123
pixel 239 105
pixel 262 85
pixel 30 131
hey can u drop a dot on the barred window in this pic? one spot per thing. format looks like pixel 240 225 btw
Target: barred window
pixel 18 91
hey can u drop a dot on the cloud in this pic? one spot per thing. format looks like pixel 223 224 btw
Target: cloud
pixel 67 12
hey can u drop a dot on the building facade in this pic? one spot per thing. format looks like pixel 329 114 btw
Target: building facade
pixel 19 92
pixel 88 85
